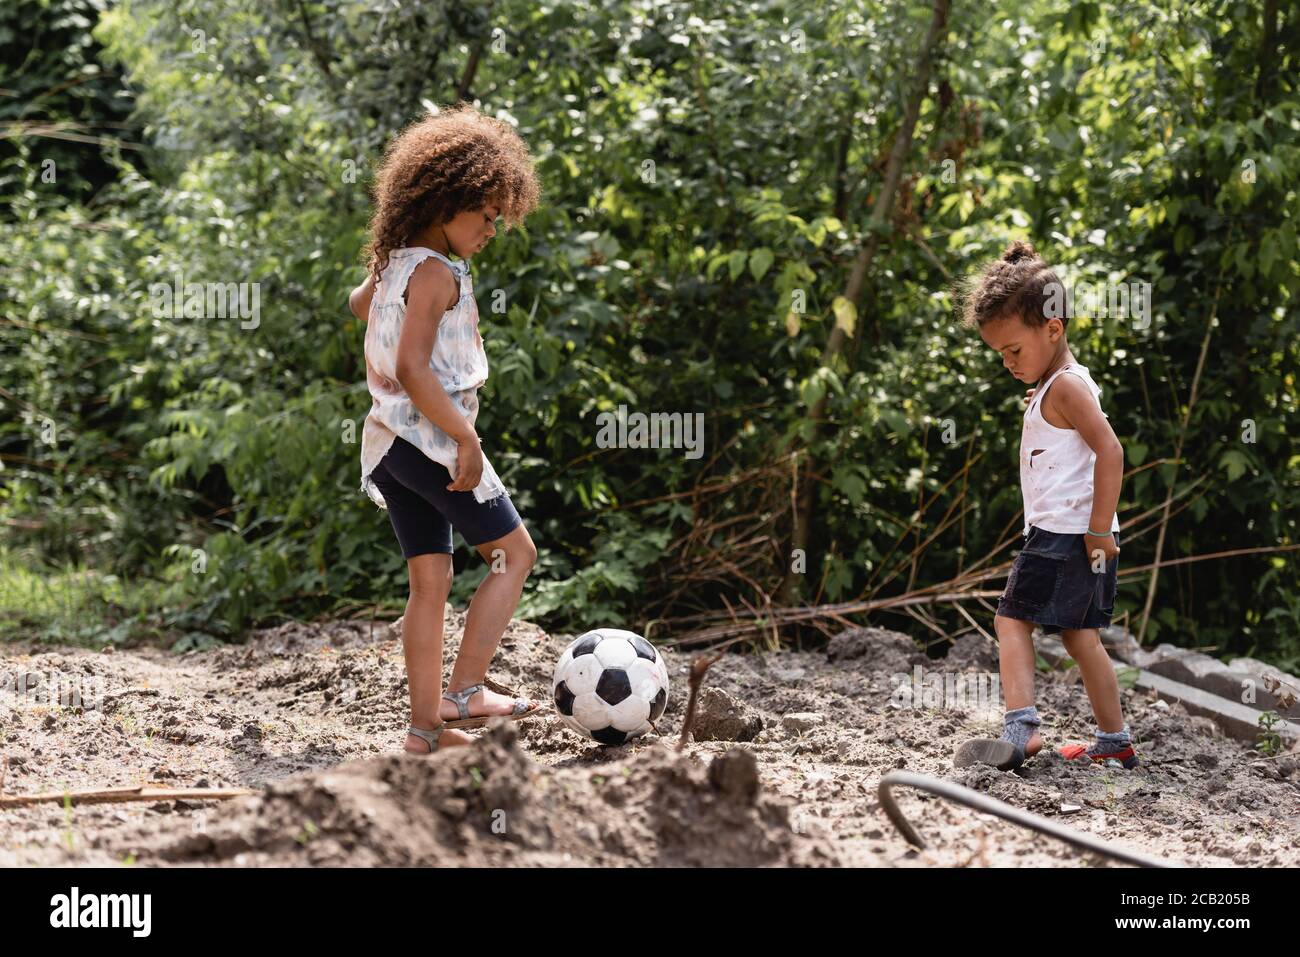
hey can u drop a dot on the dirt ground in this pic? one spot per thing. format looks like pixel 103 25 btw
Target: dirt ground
pixel 313 716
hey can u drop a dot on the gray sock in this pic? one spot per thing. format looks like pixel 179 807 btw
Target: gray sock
pixel 1018 727
pixel 1109 742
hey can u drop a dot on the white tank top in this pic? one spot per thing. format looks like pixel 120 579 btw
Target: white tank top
pixel 458 360
pixel 1056 484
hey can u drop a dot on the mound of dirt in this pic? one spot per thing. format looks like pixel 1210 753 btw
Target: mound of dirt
pixel 878 649
pixel 489 805
pixel 972 652
pixel 722 717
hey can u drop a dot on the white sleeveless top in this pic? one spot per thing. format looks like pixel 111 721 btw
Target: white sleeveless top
pixel 1056 484
pixel 458 361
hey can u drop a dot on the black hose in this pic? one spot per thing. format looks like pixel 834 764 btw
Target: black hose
pixel 990 805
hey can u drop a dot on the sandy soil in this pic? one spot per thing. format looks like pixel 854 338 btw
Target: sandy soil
pixel 313 716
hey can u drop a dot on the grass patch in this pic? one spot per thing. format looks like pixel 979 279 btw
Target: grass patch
pixel 75 605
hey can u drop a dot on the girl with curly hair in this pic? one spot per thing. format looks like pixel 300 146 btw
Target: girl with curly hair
pixel 1071 466
pixel 443 184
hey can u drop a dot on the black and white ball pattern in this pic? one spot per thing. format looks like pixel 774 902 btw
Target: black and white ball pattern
pixel 610 684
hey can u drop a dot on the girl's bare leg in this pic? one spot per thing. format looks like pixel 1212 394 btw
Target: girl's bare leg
pixel 430 577
pixel 510 560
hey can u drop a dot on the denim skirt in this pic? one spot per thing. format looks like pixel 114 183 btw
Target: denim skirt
pixel 1052 583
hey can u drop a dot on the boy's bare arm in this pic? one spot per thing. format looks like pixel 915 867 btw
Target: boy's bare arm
pixel 1076 406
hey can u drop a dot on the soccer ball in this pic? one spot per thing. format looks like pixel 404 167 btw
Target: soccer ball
pixel 609 685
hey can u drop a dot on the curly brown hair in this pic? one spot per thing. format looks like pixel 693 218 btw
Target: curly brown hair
pixel 1018 284
pixel 444 164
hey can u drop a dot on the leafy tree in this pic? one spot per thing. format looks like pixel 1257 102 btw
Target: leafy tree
pixel 712 175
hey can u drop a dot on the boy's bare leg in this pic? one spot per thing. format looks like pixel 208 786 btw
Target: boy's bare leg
pixel 1016 664
pixel 1084 646
pixel 1019 739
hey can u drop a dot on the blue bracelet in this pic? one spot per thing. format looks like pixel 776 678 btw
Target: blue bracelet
pixel 1098 534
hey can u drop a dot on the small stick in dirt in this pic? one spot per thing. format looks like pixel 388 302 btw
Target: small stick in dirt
pixel 699 665
pixel 118 795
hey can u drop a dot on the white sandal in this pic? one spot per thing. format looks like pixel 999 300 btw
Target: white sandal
pixel 429 737
pixel 524 708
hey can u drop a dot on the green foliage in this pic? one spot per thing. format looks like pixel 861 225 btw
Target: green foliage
pixel 1268 742
pixel 63 109
pixel 708 172
pixel 76 605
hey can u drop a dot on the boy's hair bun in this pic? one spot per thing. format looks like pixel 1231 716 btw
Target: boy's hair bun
pixel 1019 250
pixel 1019 284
